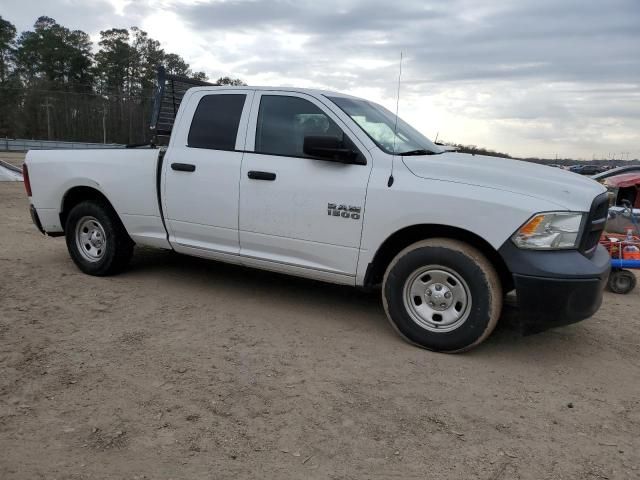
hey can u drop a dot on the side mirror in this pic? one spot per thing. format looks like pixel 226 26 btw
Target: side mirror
pixel 332 149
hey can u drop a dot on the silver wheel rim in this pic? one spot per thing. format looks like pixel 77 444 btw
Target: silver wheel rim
pixel 90 239
pixel 437 298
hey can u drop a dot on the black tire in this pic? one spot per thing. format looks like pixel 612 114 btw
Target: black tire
pixel 480 294
pixel 621 281
pixel 118 246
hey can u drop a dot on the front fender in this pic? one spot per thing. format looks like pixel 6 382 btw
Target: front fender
pixel 488 213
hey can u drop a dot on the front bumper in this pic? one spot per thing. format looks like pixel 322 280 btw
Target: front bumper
pixel 556 288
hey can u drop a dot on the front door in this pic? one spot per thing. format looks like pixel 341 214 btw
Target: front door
pixel 297 210
pixel 202 173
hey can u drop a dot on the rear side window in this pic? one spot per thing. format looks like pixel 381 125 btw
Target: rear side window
pixel 215 123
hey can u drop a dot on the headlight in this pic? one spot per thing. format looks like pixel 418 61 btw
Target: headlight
pixel 550 231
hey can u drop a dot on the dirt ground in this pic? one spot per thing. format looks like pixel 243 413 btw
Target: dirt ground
pixel 185 368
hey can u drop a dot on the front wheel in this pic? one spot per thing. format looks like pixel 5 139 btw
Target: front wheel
pixel 442 294
pixel 96 239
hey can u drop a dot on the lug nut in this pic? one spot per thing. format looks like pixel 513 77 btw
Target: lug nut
pixel 429 292
pixel 438 287
pixel 447 295
pixel 431 304
pixel 443 305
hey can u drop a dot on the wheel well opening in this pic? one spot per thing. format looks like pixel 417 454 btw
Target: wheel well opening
pixel 409 235
pixel 79 194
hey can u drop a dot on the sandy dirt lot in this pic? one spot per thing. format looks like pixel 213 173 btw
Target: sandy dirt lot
pixel 187 369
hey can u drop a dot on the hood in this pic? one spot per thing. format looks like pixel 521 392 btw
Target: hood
pixel 567 190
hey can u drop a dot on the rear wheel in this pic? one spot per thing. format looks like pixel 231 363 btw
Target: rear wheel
pixel 96 239
pixel 442 294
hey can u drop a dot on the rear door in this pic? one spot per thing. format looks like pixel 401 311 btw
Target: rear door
pixel 202 172
pixel 296 210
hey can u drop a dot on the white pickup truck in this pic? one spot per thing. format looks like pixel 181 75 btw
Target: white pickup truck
pixel 328 186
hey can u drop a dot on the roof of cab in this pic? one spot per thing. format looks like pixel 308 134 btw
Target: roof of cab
pixel 309 91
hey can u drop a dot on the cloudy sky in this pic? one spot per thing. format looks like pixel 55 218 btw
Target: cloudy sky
pixel 529 77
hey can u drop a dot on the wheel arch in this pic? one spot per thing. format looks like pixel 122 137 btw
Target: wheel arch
pixel 406 236
pixel 80 193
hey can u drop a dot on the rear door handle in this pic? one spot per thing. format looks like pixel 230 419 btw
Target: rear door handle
pixel 183 167
pixel 255 175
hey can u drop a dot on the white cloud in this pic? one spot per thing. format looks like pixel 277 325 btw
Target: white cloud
pixel 119 6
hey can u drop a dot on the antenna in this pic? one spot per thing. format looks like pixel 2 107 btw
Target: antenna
pixel 395 128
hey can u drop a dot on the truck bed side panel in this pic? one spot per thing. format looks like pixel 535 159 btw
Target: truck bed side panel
pixel 127 178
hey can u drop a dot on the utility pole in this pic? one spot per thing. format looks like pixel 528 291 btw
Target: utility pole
pixel 104 123
pixel 48 105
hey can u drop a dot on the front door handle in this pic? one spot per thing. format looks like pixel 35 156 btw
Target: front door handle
pixel 183 167
pixel 255 175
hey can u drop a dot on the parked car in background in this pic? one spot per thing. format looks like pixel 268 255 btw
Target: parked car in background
pixel 623 186
pixel 587 169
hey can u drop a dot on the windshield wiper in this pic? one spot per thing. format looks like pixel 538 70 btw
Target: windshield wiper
pixel 421 151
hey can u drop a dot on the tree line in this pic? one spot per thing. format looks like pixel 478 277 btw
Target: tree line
pixel 54 86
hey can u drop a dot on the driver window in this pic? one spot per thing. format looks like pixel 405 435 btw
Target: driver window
pixel 284 121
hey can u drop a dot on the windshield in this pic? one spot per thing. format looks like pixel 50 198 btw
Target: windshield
pixel 379 124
